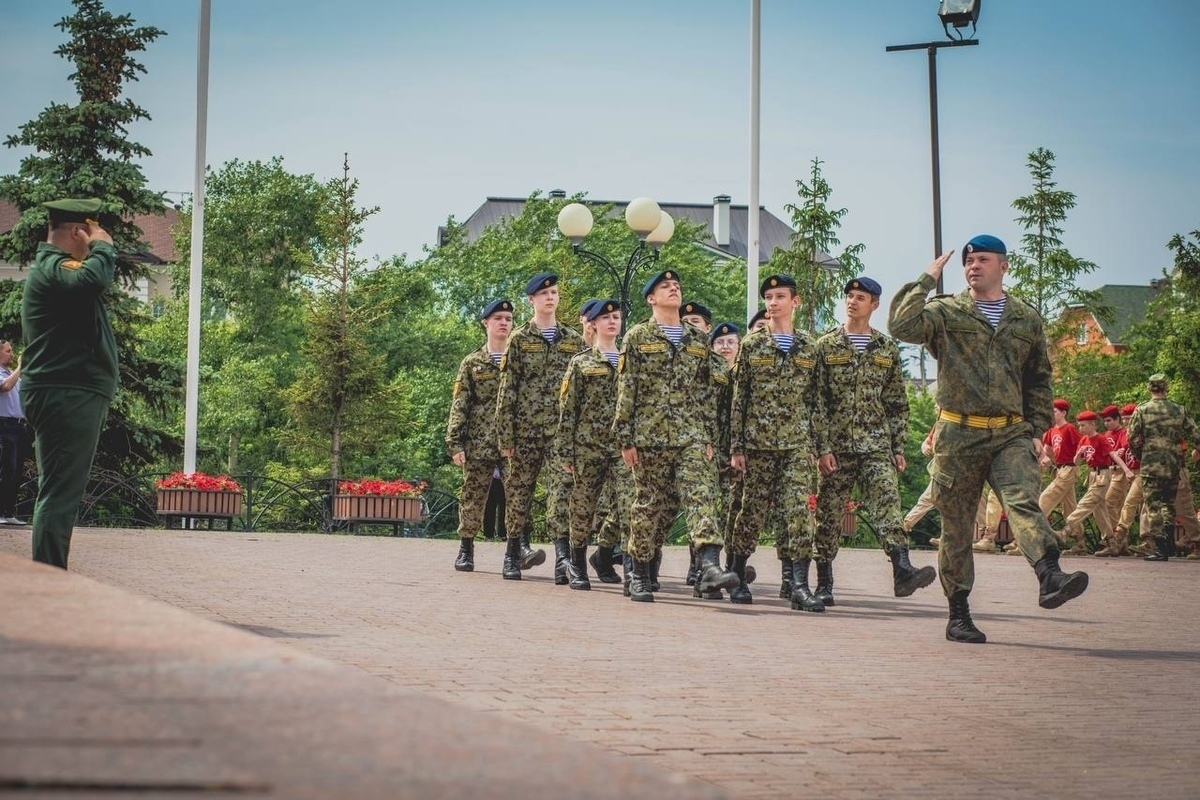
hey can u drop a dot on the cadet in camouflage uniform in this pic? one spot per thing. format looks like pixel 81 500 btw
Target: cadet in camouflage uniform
pixel 666 427
pixel 861 425
pixel 994 392
pixel 1156 431
pixel 724 341
pixel 531 371
pixel 771 437
pixel 585 444
pixel 471 430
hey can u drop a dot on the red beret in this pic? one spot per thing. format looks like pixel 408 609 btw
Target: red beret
pixel 1110 411
pixel 1128 409
pixel 1062 405
pixel 1084 416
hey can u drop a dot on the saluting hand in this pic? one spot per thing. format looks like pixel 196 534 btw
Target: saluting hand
pixel 934 270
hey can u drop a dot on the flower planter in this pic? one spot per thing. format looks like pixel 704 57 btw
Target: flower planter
pixel 377 508
pixel 199 503
pixel 849 522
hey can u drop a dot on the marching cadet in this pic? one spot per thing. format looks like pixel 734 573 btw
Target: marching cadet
pixel 585 444
pixel 1118 442
pixel 471 430
pixel 697 314
pixel 771 438
pixel 1094 451
pixel 531 371
pixel 666 428
pixel 1059 443
pixel 861 426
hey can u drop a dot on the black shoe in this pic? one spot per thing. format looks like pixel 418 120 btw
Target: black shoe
pixel 602 560
pixel 961 628
pixel 802 597
pixel 639 586
pixel 785 585
pixel 655 564
pixel 627 568
pixel 824 590
pixel 693 568
pixel 1057 587
pixel 577 577
pixel 1164 547
pixel 530 558
pixel 466 556
pixel 562 561
pixel 906 578
pixel 711 575
pixel 512 561
pixel 740 594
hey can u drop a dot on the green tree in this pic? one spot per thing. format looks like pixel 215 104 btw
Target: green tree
pixel 820 275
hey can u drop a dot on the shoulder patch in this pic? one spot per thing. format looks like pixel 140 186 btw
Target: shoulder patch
pixel 883 361
pixel 70 263
pixel 837 358
pixel 595 370
pixel 804 361
pixel 761 361
pixel 568 346
pixel 562 388
pixel 695 350
pixel 457 388
pixel 488 375
pixel 652 347
pixel 721 378
pixel 531 347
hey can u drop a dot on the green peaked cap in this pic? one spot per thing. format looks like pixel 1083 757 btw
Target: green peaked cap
pixel 73 210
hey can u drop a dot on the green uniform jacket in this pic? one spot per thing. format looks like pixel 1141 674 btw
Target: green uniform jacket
pixel 862 406
pixel 69 341
pixel 586 404
pixel 1156 434
pixel 774 394
pixel 530 374
pixel 980 370
pixel 472 425
pixel 665 393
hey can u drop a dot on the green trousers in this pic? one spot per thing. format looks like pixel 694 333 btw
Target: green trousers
pixel 66 428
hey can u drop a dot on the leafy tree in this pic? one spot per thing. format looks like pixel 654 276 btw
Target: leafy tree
pixel 819 275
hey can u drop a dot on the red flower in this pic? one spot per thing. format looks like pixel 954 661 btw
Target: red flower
pixel 812 502
pixel 199 481
pixel 373 486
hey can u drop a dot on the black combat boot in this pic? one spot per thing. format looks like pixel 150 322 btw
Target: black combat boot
pixel 711 594
pixel 562 561
pixel 785 585
pixel 512 561
pixel 602 560
pixel 961 628
pixel 740 594
pixel 1057 587
pixel 825 583
pixel 577 573
pixel 694 566
pixel 711 575
pixel 466 556
pixel 627 568
pixel 530 558
pixel 655 565
pixel 1164 545
pixel 906 578
pixel 639 586
pixel 801 596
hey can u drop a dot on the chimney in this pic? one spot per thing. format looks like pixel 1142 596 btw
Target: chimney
pixel 720 226
pixel 556 194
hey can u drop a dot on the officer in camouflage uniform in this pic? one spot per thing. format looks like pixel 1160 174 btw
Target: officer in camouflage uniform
pixel 1155 433
pixel 531 371
pixel 471 430
pixel 585 444
pixel 771 437
pixel 69 365
pixel 666 426
pixel 861 425
pixel 995 396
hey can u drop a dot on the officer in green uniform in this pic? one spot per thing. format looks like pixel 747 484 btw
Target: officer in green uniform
pixel 994 395
pixel 69 365
pixel 471 429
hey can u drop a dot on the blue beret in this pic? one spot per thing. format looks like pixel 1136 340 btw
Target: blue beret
pixel 760 314
pixel 696 308
pixel 586 307
pixel 863 284
pixel 494 306
pixel 983 243
pixel 665 275
pixel 724 329
pixel 543 280
pixel 601 307
pixel 776 282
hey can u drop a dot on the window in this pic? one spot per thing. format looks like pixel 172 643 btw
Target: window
pixel 1081 337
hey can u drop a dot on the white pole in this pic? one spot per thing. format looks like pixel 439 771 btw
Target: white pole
pixel 192 393
pixel 752 227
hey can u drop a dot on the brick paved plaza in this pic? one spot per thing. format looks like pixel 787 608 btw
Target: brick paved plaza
pixel 867 700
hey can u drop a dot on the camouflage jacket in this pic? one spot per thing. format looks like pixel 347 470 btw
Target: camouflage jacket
pixel 586 403
pixel 862 406
pixel 773 394
pixel 980 370
pixel 530 374
pixel 472 425
pixel 665 394
pixel 1157 430
pixel 723 380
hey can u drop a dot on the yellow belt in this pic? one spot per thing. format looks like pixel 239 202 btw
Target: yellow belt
pixel 973 421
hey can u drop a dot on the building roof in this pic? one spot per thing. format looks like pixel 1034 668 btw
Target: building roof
pixel 156 231
pixel 774 233
pixel 1129 308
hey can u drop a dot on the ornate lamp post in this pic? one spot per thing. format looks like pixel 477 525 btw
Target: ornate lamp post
pixel 653 227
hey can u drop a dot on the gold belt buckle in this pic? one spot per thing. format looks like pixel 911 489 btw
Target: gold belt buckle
pixel 996 422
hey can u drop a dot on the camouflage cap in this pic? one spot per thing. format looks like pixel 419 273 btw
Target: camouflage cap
pixel 74 210
pixel 1158 381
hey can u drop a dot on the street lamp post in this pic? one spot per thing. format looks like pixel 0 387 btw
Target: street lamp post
pixel 653 227
pixel 956 13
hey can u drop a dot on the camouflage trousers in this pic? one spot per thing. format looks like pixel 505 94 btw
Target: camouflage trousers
pixel 1160 494
pixel 1185 511
pixel 1060 491
pixel 531 457
pixel 879 486
pixel 666 480
pixel 1114 498
pixel 478 474
pixel 777 485
pixel 966 458
pixel 597 478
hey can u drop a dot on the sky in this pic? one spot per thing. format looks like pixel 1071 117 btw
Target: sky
pixel 441 105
